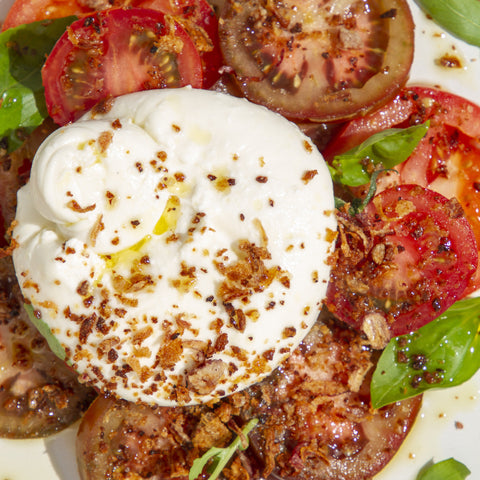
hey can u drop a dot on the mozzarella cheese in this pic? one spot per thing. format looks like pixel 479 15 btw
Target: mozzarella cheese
pixel 175 244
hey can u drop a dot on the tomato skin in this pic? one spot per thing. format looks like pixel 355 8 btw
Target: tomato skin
pixel 318 60
pixel 113 52
pixel 28 11
pixel 402 261
pixel 447 160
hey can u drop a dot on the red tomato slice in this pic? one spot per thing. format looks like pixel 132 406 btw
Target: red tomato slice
pixel 402 261
pixel 447 160
pixel 28 11
pixel 196 17
pixel 322 61
pixel 114 52
pixel 199 20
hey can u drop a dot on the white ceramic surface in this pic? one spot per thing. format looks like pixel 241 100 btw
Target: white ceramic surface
pixel 449 423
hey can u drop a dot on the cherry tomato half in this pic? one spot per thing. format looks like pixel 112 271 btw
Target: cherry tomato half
pixel 113 52
pixel 447 160
pixel 322 61
pixel 401 262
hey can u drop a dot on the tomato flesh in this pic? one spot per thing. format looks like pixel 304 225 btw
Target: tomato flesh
pixel 199 20
pixel 402 261
pixel 114 52
pixel 447 160
pixel 321 61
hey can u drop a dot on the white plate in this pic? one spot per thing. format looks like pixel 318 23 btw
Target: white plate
pixel 449 423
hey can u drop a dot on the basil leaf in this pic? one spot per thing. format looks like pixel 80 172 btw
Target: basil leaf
pixel 443 353
pixel 387 148
pixel 23 50
pixel 220 456
pixel 357 205
pixel 459 17
pixel 449 469
pixel 44 329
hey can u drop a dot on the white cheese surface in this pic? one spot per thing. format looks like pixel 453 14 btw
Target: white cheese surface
pixel 176 245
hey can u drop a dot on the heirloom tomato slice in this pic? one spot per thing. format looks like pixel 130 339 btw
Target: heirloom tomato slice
pixel 401 262
pixel 447 160
pixel 322 61
pixel 114 52
pixel 314 414
pixel 39 393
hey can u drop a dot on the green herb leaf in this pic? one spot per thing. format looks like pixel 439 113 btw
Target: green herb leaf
pixel 443 353
pixel 44 329
pixel 220 456
pixel 459 17
pixel 449 469
pixel 359 204
pixel 387 148
pixel 356 205
pixel 23 51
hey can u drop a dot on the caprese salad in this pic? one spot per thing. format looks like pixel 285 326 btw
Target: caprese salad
pixel 233 375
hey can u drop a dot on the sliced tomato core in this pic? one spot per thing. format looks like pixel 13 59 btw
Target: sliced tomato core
pixel 197 17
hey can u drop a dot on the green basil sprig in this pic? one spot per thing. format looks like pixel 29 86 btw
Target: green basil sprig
pixel 387 148
pixel 357 205
pixel 220 456
pixel 459 17
pixel 23 51
pixel 449 469
pixel 443 353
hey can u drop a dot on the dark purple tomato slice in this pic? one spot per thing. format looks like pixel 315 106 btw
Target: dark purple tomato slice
pixel 14 172
pixel 323 61
pixel 39 394
pixel 315 423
